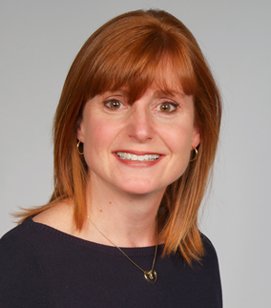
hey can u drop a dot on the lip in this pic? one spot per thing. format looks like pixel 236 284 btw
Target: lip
pixel 137 163
pixel 138 152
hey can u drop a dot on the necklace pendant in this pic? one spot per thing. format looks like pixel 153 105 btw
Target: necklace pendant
pixel 150 276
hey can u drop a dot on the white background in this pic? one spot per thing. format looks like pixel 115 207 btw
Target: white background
pixel 39 40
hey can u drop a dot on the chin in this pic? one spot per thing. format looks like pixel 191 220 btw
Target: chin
pixel 141 189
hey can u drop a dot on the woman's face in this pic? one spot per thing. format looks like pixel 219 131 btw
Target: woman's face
pixel 139 148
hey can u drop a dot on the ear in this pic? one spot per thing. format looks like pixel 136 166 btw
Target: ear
pixel 80 131
pixel 195 137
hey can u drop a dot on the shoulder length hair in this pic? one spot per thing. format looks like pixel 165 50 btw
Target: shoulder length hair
pixel 130 51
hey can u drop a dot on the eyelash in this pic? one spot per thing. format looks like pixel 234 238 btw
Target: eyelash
pixel 173 105
pixel 109 104
pixel 115 104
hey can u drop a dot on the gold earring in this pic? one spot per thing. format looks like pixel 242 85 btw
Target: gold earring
pixel 195 156
pixel 78 147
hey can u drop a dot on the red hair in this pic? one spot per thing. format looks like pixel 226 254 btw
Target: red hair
pixel 131 51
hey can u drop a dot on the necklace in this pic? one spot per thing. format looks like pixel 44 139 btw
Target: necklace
pixel 149 275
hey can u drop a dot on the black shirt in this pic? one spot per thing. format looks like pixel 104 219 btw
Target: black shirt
pixel 43 267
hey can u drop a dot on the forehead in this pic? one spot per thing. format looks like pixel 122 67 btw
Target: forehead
pixel 165 79
pixel 169 71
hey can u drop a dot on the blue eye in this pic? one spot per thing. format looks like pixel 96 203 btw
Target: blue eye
pixel 112 104
pixel 168 107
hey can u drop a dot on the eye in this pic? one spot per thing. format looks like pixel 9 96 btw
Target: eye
pixel 113 104
pixel 168 107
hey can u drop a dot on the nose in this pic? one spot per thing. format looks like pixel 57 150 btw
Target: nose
pixel 140 124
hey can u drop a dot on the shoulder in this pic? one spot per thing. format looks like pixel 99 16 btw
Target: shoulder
pixel 210 250
pixel 209 261
pixel 26 234
pixel 17 244
pixel 59 216
pixel 19 267
pixel 16 237
pixel 31 236
pixel 211 271
pixel 210 257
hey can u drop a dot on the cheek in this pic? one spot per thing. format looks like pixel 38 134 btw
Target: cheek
pixel 179 138
pixel 98 138
pixel 97 133
pixel 179 142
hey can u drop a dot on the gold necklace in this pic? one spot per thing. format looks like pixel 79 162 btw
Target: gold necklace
pixel 149 275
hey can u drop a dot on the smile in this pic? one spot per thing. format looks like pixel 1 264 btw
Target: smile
pixel 134 157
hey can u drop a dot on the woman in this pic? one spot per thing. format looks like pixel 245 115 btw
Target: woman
pixel 135 136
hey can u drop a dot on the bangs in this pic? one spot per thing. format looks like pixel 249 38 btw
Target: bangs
pixel 136 61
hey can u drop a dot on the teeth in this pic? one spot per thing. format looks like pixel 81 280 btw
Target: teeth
pixel 129 156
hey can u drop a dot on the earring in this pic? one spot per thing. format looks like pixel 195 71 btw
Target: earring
pixel 78 147
pixel 195 156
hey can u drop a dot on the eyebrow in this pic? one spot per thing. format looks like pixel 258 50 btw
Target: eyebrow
pixel 158 93
pixel 170 92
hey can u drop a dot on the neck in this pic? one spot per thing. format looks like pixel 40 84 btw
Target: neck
pixel 128 220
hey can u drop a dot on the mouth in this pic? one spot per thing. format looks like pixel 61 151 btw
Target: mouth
pixel 146 157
